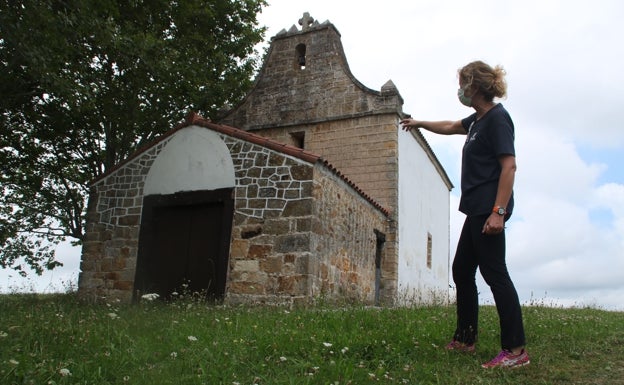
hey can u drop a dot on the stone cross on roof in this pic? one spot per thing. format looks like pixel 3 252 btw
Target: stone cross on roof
pixel 306 21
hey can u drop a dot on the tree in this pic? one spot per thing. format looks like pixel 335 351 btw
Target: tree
pixel 83 84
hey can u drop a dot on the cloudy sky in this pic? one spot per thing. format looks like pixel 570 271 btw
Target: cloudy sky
pixel 564 64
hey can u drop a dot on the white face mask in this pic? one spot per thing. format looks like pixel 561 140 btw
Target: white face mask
pixel 463 99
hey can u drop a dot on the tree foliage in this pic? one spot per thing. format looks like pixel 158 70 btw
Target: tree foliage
pixel 83 84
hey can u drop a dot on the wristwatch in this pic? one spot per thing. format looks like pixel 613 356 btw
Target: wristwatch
pixel 500 210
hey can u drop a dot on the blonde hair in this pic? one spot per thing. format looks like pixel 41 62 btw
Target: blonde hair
pixel 490 81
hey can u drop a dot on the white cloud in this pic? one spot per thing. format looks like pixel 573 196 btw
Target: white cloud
pixel 60 279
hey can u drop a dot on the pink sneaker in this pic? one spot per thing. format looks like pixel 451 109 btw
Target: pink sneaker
pixel 460 347
pixel 506 359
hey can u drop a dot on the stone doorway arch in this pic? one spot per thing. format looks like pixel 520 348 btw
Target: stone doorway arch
pixel 186 219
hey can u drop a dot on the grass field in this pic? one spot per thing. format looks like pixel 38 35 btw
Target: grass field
pixel 55 339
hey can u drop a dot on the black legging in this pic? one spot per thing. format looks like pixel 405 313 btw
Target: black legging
pixel 487 252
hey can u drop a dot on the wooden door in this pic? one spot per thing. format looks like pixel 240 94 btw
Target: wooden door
pixel 184 244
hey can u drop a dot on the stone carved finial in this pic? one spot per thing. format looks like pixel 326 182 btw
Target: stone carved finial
pixel 389 88
pixel 306 21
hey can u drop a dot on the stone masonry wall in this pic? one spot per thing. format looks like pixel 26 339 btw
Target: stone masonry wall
pixel 365 149
pixel 299 232
pixel 283 249
pixel 325 108
pixel 273 216
pixel 353 127
pixel 110 247
pixel 285 93
pixel 345 241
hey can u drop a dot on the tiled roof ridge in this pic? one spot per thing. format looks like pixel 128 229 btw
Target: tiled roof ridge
pixel 194 118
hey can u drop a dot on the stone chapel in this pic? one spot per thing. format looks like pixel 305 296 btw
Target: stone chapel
pixel 307 188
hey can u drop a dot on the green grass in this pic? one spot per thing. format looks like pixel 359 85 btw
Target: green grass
pixel 186 342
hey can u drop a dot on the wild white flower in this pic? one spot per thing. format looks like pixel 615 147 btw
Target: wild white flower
pixel 344 350
pixel 282 358
pixel 173 355
pixel 13 362
pixel 327 344
pixel 192 338
pixel 3 334
pixel 113 315
pixel 150 296
pixel 64 372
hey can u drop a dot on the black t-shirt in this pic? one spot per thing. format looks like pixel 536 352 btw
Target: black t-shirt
pixel 486 140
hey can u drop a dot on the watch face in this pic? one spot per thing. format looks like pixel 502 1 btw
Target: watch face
pixel 501 211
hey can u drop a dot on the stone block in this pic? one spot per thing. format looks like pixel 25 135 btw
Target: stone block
pixel 259 203
pixel 289 258
pixel 254 172
pixel 278 204
pixel 292 193
pixel 111 276
pixel 299 208
pixel 277 226
pixel 268 172
pixel 86 264
pixel 252 191
pixel 129 220
pixel 275 160
pixel 247 265
pixel 301 172
pixel 92 248
pixel 272 265
pixel 304 224
pixel 289 243
pixel 259 251
pixel 267 192
pixel 123 285
pixel 119 262
pixel 293 284
pixel 249 288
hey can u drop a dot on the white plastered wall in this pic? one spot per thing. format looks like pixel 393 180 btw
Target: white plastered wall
pixel 195 158
pixel 423 209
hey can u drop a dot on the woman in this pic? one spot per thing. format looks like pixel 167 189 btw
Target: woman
pixel 487 178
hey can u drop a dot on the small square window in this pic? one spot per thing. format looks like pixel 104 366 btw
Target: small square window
pixel 297 139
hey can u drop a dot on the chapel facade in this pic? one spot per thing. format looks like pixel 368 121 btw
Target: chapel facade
pixel 306 188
